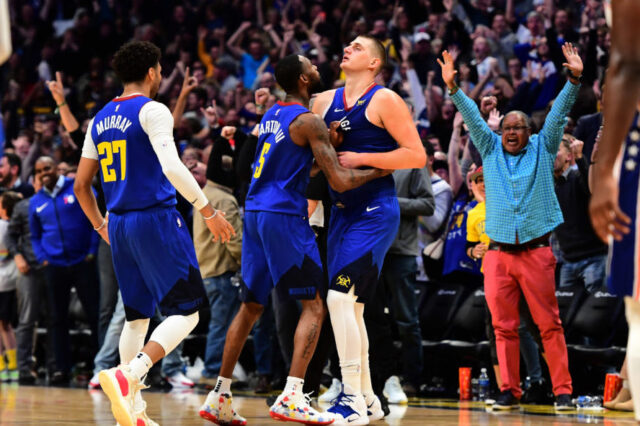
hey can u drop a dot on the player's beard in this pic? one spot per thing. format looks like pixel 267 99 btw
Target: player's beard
pixel 316 86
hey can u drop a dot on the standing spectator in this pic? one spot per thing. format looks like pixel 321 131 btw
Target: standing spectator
pixel 64 243
pixel 430 228
pixel 8 276
pixel 522 210
pixel 249 60
pixel 30 287
pixel 219 262
pixel 585 256
pixel 398 275
pixel 10 169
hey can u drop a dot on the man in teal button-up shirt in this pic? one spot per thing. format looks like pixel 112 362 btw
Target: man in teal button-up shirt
pixel 522 209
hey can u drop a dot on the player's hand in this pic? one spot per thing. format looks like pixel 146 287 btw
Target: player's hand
pixel 350 160
pixel 221 229
pixel 104 231
pixel 336 137
pixel 448 70
pixel 574 63
pixel 21 264
pixel 607 218
pixel 458 120
pixel 57 88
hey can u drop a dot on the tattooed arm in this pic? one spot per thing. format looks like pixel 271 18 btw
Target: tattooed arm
pixel 310 129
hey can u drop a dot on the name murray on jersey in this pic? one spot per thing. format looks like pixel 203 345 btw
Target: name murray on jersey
pixel 272 126
pixel 113 122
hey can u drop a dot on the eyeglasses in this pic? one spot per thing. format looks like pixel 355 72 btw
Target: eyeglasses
pixel 516 129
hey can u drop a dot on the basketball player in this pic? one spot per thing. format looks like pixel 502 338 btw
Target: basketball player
pixel 279 247
pixel 377 131
pixel 614 202
pixel 131 142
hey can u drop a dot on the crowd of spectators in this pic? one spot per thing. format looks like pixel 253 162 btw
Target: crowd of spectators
pixel 216 55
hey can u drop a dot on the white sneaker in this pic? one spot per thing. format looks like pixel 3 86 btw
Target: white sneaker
pixel 94 383
pixel 218 408
pixel 180 381
pixel 331 393
pixel 349 408
pixel 120 386
pixel 296 407
pixel 393 391
pixel 374 408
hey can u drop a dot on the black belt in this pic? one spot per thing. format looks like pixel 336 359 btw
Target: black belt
pixel 515 248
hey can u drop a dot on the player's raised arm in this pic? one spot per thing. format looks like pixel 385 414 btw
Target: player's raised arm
pixel 157 122
pixel 311 128
pixel 397 121
pixel 87 169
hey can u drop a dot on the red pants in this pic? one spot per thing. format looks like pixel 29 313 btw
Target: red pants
pixel 533 273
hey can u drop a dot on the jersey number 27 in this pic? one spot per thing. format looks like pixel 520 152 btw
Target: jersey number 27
pixel 108 149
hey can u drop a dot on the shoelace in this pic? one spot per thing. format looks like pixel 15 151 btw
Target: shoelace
pixel 342 399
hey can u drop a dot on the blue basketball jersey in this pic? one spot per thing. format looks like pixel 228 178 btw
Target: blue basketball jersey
pixel 281 168
pixel 360 135
pixel 132 177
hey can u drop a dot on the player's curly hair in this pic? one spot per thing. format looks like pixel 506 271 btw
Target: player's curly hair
pixel 133 60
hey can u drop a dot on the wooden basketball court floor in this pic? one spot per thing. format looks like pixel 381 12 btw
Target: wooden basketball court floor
pixel 27 405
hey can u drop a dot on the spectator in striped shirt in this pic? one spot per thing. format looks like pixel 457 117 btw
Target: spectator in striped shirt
pixel 522 210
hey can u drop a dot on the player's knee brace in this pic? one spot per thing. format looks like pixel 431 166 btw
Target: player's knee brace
pixel 132 338
pixel 173 330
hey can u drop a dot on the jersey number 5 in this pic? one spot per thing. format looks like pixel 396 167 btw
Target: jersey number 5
pixel 108 149
pixel 265 150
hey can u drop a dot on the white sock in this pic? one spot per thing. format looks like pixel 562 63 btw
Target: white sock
pixel 347 335
pixel 140 365
pixel 132 339
pixel 223 385
pixel 633 350
pixel 173 330
pixel 293 384
pixel 365 375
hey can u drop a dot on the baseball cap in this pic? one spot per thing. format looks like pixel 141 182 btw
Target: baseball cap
pixel 421 37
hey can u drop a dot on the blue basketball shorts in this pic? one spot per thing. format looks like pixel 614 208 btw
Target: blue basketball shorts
pixel 359 237
pixel 155 263
pixel 279 250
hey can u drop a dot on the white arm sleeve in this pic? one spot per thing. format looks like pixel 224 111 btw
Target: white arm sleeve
pixel 156 120
pixel 89 147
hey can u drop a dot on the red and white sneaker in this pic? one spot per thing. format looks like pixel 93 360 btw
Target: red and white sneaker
pixel 94 383
pixel 180 381
pixel 120 386
pixel 218 408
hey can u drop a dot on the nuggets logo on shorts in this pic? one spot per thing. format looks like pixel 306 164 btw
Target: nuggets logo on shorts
pixel 343 280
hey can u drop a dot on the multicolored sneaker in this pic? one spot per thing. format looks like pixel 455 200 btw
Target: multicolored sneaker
pixel 4 376
pixel 349 408
pixel 120 386
pixel 374 408
pixel 296 407
pixel 14 375
pixel 141 417
pixel 218 408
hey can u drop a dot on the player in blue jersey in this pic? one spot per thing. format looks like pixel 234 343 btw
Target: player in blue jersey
pixel 614 203
pixel 130 141
pixel 377 131
pixel 279 248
